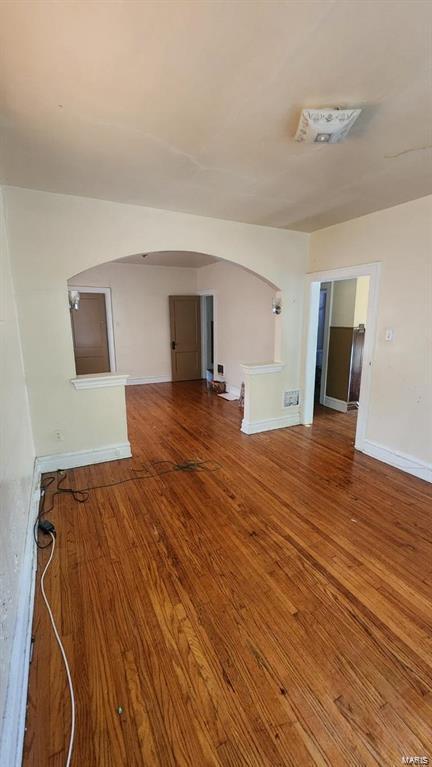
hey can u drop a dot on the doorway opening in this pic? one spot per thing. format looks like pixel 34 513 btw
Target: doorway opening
pixel 185 326
pixel 202 334
pixel 340 342
pixel 324 313
pixel 192 326
pixel 207 336
pixel 92 330
pixel 342 316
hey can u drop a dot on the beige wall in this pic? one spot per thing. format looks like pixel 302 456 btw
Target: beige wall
pixel 400 416
pixel 361 301
pixel 16 469
pixel 140 312
pixel 343 303
pixel 245 325
pixel 53 237
pixel 350 302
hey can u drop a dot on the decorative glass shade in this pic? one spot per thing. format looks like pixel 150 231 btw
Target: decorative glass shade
pixel 74 299
pixel 325 126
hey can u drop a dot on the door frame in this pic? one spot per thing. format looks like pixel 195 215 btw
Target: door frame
pixel 213 293
pixel 327 318
pixel 313 284
pixel 109 320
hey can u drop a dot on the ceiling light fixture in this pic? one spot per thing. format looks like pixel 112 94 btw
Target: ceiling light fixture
pixel 325 126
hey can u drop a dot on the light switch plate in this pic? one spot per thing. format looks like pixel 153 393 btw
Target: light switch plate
pixel 389 334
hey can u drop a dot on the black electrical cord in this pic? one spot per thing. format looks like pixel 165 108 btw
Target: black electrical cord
pixel 45 484
pixel 82 494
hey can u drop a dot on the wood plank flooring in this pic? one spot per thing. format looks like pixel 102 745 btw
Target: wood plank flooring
pixel 275 611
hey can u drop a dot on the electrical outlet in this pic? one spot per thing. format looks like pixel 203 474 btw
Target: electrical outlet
pixel 291 398
pixel 59 436
pixel 220 369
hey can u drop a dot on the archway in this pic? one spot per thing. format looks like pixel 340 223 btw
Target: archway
pixel 66 235
pixel 245 318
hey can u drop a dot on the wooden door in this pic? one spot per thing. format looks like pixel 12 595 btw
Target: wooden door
pixel 90 336
pixel 356 363
pixel 185 324
pixel 338 363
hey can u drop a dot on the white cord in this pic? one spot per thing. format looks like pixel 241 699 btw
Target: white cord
pixel 65 660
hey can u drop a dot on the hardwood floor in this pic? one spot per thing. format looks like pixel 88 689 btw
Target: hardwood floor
pixel 275 611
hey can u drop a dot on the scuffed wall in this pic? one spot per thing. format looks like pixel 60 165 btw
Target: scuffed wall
pixel 16 466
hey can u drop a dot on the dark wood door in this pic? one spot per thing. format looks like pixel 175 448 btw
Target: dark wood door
pixel 356 364
pixel 185 324
pixel 90 336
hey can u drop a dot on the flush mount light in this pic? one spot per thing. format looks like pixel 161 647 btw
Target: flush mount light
pixel 325 126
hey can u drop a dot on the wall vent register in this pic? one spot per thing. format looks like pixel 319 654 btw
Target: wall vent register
pixel 291 398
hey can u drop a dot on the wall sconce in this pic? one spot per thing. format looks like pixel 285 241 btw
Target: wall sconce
pixel 74 299
pixel 276 306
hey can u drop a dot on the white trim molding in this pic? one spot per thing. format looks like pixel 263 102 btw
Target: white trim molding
pixel 149 380
pixel 402 461
pixel 335 404
pixel 281 422
pixel 255 369
pixel 83 457
pixel 13 725
pixel 99 380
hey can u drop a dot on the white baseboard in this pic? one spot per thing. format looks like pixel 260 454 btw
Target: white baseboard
pixel 83 457
pixel 149 380
pixel 253 427
pixel 336 404
pixel 13 725
pixel 399 460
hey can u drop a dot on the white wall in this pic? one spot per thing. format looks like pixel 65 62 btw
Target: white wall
pixel 141 312
pixel 400 416
pixel 245 325
pixel 16 471
pixel 53 237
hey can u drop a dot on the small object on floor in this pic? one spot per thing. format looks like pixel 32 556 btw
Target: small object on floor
pixel 217 386
pixel 119 710
pixel 228 396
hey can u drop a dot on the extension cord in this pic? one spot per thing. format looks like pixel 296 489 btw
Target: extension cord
pixel 62 650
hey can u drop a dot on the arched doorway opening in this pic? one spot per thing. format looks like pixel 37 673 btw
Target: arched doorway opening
pixel 139 314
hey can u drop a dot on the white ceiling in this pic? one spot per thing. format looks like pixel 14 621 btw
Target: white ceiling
pixel 182 258
pixel 192 105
